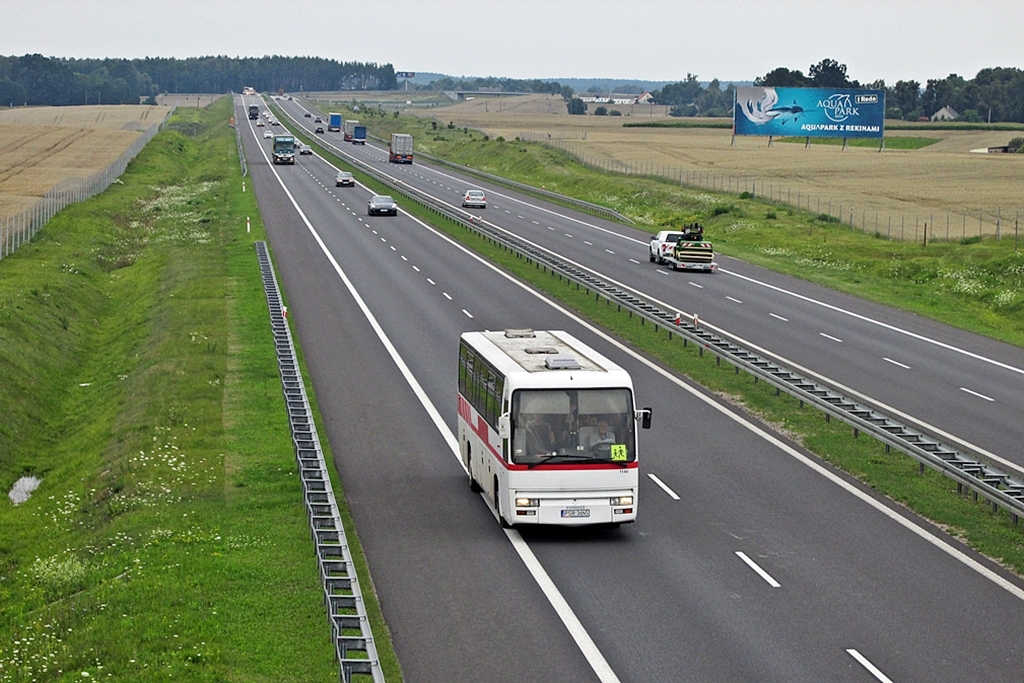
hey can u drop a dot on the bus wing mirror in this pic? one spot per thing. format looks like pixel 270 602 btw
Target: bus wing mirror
pixel 645 418
pixel 503 426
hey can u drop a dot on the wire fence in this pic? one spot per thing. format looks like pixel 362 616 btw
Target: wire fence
pixel 553 136
pixel 241 154
pixel 997 222
pixel 21 227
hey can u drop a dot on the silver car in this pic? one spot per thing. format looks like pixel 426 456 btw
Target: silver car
pixel 475 198
pixel 344 179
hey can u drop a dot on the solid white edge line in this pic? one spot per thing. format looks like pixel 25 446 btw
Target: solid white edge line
pixel 758 570
pixel 664 487
pixel 952 438
pixel 872 669
pixel 756 429
pixel 782 359
pixel 579 634
pixel 572 623
pixel 819 469
pixel 892 328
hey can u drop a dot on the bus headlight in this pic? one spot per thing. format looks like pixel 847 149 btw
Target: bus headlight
pixel 622 500
pixel 527 502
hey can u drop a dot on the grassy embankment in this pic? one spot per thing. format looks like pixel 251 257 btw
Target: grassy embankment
pixel 974 284
pixel 167 538
pixel 942 280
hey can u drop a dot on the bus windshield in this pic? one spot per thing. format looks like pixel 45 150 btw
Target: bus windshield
pixel 572 426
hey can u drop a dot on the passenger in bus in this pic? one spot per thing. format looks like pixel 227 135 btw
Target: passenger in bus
pixel 540 438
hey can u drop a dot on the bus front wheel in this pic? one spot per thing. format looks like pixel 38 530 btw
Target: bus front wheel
pixel 497 506
pixel 473 485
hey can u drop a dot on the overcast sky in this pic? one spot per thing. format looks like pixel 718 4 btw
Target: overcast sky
pixel 546 39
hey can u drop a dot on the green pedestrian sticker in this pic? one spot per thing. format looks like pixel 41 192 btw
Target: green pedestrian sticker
pixel 619 451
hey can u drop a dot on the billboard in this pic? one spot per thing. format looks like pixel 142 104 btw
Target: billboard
pixel 814 112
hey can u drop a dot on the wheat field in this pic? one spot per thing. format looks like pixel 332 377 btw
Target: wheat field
pixel 40 146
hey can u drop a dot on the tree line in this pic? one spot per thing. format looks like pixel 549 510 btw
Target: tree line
pixel 995 94
pixel 39 80
pixel 499 85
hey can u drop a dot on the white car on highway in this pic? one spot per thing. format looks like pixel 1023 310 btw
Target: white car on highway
pixel 475 198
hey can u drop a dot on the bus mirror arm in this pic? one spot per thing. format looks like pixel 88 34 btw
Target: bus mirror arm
pixel 503 426
pixel 644 416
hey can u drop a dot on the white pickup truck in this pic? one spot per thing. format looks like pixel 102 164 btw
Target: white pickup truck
pixel 683 249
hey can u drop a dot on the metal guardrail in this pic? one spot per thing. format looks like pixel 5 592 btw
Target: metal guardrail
pixel 342 596
pixel 241 154
pixel 970 471
pixel 587 207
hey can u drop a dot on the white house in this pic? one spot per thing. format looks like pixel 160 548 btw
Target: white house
pixel 947 113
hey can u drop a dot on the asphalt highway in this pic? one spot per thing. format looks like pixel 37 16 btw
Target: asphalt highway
pixel 750 560
pixel 962 387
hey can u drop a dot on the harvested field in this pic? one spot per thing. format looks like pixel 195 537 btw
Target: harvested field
pixel 40 146
pixel 111 117
pixel 919 185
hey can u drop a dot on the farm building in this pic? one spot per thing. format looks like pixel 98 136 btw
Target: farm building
pixel 947 113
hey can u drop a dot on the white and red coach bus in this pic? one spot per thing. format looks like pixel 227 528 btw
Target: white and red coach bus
pixel 547 428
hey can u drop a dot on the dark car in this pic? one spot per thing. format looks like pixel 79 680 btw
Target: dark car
pixel 318 120
pixel 307 114
pixel 319 130
pixel 381 204
pixel 344 179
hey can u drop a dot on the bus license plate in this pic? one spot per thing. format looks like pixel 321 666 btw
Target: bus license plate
pixel 576 512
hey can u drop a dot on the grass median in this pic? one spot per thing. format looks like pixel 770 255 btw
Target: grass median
pixel 891 272
pixel 167 536
pixel 948 273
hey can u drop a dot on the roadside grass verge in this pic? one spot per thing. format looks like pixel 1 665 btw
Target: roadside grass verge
pixel 891 142
pixel 972 283
pixel 167 538
pixel 892 474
